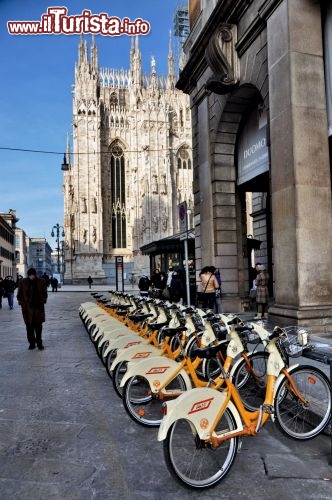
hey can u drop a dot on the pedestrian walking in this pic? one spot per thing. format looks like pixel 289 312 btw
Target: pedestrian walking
pixel 32 297
pixel 177 286
pixel 2 291
pixel 90 281
pixel 9 286
pixel 54 284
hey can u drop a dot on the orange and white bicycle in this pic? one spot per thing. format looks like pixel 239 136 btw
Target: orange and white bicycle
pixel 202 427
pixel 151 381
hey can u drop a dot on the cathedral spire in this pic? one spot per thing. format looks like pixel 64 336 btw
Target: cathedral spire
pixel 82 53
pixel 94 56
pixel 135 62
pixel 153 66
pixel 171 71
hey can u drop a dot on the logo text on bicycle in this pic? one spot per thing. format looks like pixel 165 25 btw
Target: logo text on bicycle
pixel 200 405
pixel 139 355
pixel 131 343
pixel 157 369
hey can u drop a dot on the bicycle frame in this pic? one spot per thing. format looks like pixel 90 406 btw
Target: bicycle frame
pixel 159 373
pixel 204 407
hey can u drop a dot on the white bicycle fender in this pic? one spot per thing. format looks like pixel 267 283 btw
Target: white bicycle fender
pixel 156 370
pixel 200 407
pixel 135 353
pixel 105 323
pixel 122 337
pixel 112 332
pixel 123 342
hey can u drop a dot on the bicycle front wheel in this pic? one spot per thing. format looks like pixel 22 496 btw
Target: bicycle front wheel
pixel 144 407
pixel 194 463
pixel 306 417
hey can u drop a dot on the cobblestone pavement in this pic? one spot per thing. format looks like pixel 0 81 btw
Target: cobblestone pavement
pixel 65 435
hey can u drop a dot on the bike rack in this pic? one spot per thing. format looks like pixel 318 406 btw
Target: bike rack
pixel 323 356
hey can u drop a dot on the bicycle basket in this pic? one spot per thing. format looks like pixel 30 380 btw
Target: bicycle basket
pixel 295 340
pixel 251 337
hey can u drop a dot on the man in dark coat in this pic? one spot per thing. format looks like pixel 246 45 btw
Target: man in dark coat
pixel 32 295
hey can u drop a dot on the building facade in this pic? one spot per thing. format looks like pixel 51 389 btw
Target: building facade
pixel 262 175
pixel 131 165
pixel 40 256
pixel 21 252
pixel 7 244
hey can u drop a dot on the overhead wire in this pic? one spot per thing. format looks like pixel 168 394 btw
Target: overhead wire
pixel 4 148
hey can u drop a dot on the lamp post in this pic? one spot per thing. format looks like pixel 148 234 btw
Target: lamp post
pixel 57 228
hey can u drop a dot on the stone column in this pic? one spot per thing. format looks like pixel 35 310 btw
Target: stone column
pixel 205 185
pixel 300 171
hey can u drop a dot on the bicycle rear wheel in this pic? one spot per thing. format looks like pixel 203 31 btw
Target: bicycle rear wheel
pixel 194 463
pixel 298 419
pixel 250 381
pixel 144 407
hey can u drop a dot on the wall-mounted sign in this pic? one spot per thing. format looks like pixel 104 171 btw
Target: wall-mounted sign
pixel 119 282
pixel 183 217
pixel 253 152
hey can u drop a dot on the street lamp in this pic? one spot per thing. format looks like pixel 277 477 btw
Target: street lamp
pixel 57 227
pixel 65 164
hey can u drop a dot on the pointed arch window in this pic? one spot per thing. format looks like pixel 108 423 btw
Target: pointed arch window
pixel 118 190
pixel 184 160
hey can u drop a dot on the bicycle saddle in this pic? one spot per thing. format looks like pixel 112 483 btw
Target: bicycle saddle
pixel 170 332
pixel 211 351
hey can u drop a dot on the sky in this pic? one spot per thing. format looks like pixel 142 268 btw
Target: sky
pixel 37 72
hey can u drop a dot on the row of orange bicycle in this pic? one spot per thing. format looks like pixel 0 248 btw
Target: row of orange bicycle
pixel 205 380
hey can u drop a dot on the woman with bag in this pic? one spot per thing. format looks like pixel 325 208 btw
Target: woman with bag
pixel 262 291
pixel 209 285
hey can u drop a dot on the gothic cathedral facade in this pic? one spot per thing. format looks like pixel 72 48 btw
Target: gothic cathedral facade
pixel 131 165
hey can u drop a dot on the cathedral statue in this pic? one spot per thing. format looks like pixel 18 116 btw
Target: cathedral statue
pixel 83 206
pixel 155 224
pixel 154 186
pixel 94 205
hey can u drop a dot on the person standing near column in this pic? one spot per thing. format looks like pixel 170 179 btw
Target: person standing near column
pixel 262 291
pixel 32 297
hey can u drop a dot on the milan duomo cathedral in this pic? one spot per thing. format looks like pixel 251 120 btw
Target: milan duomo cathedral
pixel 131 165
